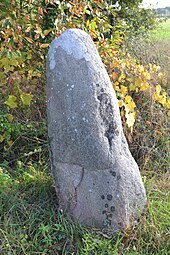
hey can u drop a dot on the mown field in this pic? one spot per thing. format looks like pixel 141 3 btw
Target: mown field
pixel 163 31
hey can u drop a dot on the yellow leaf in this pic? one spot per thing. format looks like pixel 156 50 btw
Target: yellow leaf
pixel 168 113
pixel 140 68
pixel 155 68
pixel 11 101
pixel 28 29
pixel 167 105
pixel 29 39
pixel 164 94
pixel 144 86
pixel 129 79
pixel 132 105
pixel 46 32
pixel 117 88
pixel 158 89
pixel 146 75
pixel 123 90
pixel 160 75
pixel 162 100
pixel 137 82
pixel 121 78
pixel 128 99
pixel 88 23
pixel 120 102
pixel 44 45
pixel 129 104
pixel 26 98
pixel 130 119
pixel 156 97
pixel 132 87
pixel 38 30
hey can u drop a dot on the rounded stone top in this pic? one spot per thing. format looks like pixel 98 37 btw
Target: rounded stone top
pixel 74 42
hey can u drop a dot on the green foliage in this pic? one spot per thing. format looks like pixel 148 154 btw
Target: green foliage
pixel 96 244
pixel 21 140
pixel 139 21
pixel 107 23
pixel 5 181
pixel 21 62
pixel 9 129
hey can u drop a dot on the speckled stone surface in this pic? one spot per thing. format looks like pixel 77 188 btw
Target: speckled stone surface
pixel 97 180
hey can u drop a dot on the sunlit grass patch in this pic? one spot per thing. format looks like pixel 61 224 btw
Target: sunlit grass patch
pixel 162 32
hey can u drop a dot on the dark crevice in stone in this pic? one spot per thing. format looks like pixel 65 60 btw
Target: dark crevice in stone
pixel 110 133
pixel 106 113
pixel 82 176
pixel 118 177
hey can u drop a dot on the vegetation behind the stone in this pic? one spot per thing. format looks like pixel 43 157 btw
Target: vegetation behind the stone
pixel 29 221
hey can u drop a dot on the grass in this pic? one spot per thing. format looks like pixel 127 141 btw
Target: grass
pixel 154 49
pixel 162 32
pixel 31 224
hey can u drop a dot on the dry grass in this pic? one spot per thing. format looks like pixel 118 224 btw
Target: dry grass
pixel 155 52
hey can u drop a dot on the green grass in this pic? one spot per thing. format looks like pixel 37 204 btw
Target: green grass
pixel 31 224
pixel 162 32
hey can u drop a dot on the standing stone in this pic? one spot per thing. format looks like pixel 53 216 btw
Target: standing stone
pixel 97 180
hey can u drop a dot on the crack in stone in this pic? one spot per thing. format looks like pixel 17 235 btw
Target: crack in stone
pixel 106 113
pixel 76 188
pixel 82 175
